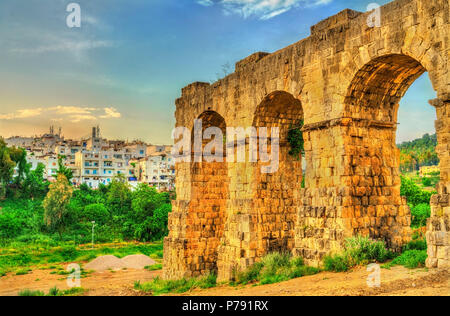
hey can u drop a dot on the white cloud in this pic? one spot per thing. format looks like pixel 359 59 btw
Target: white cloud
pixel 74 114
pixel 263 9
pixel 111 113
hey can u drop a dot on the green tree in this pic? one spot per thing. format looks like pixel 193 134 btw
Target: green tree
pixel 96 212
pixel 6 168
pixel 119 196
pixel 34 185
pixel 149 215
pixel 55 204
pixel 19 156
pixel 63 170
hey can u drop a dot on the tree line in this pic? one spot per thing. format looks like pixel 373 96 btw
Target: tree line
pixel 418 153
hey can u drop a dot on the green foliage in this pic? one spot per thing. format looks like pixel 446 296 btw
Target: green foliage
pixel 420 213
pixel 418 244
pixel 54 291
pixel 274 268
pixel 6 167
pixel 410 259
pixel 295 139
pixel 418 153
pixel 34 185
pixel 358 250
pixel 31 293
pixel 57 213
pixel 426 182
pixel 96 212
pixel 63 170
pixel 159 286
pixel 154 267
pixel 413 193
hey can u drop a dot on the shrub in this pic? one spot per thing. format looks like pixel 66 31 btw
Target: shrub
pixel 419 244
pixel 426 182
pixel 31 293
pixel 337 263
pixel 358 250
pixel 159 286
pixel 420 213
pixel 273 268
pixel 23 271
pixel 410 259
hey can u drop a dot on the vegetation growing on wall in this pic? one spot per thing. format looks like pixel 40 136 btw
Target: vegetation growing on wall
pixel 296 141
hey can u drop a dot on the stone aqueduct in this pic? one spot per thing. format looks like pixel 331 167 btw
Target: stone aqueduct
pixel 345 81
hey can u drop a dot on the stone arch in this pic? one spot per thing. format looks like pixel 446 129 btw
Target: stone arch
pixel 371 104
pixel 276 195
pixel 377 88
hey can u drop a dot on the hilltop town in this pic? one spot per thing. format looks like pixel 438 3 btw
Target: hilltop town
pixel 95 160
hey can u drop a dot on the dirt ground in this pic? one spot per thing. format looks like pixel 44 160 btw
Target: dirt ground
pixel 108 283
pixel 398 281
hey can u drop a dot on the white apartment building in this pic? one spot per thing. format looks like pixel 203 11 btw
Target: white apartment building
pixel 157 170
pixel 101 167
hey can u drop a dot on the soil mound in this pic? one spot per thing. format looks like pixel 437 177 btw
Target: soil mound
pixel 137 262
pixel 104 263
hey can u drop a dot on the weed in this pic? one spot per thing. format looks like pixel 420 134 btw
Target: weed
pixel 159 286
pixel 410 259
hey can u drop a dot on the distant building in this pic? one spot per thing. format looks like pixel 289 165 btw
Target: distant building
pixel 426 170
pixel 95 160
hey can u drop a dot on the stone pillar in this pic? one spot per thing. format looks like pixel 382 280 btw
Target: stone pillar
pixel 352 188
pixel 438 226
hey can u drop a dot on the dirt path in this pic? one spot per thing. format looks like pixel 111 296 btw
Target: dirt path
pixel 398 281
pixel 394 282
pixel 98 283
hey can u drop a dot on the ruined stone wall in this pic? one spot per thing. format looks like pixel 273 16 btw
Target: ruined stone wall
pixel 438 227
pixel 349 79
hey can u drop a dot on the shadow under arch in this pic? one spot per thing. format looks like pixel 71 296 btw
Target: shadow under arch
pixel 276 195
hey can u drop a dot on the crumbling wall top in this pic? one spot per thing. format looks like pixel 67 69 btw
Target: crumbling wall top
pixel 240 65
pixel 334 21
pixel 193 88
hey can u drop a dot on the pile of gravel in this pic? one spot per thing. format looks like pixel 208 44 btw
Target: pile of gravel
pixel 109 262
pixel 138 262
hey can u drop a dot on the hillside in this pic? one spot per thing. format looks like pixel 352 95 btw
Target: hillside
pixel 417 153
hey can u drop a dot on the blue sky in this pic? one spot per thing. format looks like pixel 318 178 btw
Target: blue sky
pixel 125 66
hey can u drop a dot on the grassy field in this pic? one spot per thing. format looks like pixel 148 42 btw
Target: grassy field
pixel 22 258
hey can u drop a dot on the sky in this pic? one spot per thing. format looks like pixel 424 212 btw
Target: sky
pixel 126 64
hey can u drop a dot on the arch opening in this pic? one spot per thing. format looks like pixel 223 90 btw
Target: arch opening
pixel 209 194
pixel 277 195
pixel 378 210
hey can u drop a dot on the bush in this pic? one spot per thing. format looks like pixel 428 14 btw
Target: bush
pixel 419 244
pixel 358 250
pixel 274 268
pixel 337 263
pixel 159 286
pixel 410 259
pixel 420 213
pixel 426 182
pixel 413 193
pixel 31 293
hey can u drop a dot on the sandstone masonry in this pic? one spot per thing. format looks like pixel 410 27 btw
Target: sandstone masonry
pixel 345 82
